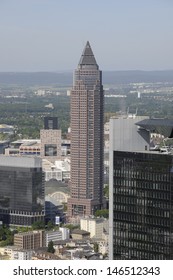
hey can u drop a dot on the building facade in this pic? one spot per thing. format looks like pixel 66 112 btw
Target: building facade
pixel 61 234
pixel 86 137
pixel 50 140
pixel 22 255
pixel 93 225
pixel 21 190
pixel 141 188
pixel 29 240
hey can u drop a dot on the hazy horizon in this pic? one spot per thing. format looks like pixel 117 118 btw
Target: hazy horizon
pixel 72 70
pixel 66 78
pixel 49 35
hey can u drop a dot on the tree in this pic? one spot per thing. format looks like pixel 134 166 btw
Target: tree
pixel 71 226
pixel 50 247
pixel 50 225
pixel 96 247
pixel 106 191
pixel 102 213
pixel 38 225
pixel 6 236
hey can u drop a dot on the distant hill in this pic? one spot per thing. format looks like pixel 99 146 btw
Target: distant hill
pixel 66 78
pixel 125 77
pixel 36 78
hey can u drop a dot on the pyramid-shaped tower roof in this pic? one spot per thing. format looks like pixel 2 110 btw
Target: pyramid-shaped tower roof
pixel 87 57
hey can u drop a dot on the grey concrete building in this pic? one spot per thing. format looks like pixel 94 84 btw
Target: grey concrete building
pixel 86 137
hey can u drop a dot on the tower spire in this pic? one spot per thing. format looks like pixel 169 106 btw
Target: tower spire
pixel 87 57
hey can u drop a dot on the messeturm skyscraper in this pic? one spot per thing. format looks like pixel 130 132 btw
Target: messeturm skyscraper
pixel 87 140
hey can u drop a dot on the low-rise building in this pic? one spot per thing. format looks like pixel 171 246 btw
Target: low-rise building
pixel 29 240
pixel 8 251
pixel 80 234
pixel 20 254
pixel 59 170
pixel 56 235
pixel 96 226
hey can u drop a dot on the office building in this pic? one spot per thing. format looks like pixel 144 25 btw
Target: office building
pixel 24 147
pixel 61 234
pixel 50 138
pixel 86 137
pixel 21 190
pixel 29 240
pixel 141 187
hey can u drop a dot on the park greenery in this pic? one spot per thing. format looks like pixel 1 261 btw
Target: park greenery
pixel 102 213
pixel 50 248
pixel 6 236
pixel 96 247
pixel 106 191
pixel 7 233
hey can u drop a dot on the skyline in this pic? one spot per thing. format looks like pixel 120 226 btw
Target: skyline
pixel 48 35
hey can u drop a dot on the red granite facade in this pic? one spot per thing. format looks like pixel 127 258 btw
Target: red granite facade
pixel 86 137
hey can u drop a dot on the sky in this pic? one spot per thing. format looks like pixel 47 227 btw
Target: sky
pixel 49 35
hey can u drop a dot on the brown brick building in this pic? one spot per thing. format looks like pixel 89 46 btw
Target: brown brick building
pixel 29 240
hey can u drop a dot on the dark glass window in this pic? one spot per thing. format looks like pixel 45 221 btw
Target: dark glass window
pixel 143 201
pixel 50 150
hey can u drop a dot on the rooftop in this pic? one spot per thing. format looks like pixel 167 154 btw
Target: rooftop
pixel 160 126
pixel 16 161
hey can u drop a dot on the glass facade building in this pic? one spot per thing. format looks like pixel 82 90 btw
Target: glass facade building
pixel 21 191
pixel 50 123
pixel 141 190
pixel 142 206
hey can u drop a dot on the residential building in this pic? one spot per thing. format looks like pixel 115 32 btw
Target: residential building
pixel 42 254
pixel 80 234
pixel 93 225
pixel 87 140
pixel 8 251
pixel 20 254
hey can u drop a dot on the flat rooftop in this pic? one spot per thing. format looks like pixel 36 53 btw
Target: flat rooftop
pixel 18 161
